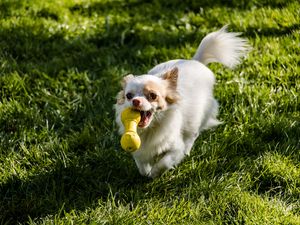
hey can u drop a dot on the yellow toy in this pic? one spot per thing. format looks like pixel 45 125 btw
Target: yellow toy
pixel 130 140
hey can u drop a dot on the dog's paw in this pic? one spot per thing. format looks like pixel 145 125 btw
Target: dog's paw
pixel 144 169
pixel 155 172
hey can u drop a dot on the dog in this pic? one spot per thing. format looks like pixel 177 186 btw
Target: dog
pixel 176 102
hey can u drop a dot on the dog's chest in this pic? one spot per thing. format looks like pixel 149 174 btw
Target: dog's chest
pixel 155 143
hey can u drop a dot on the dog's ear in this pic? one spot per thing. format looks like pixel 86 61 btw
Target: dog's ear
pixel 125 79
pixel 121 98
pixel 172 77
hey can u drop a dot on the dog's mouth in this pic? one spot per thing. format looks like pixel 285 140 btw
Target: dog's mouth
pixel 145 118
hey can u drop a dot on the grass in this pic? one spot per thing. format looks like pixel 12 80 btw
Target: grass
pixel 60 66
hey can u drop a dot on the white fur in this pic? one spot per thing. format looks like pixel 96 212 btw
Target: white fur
pixel 223 47
pixel 172 132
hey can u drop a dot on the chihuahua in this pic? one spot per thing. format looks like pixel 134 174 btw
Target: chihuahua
pixel 176 102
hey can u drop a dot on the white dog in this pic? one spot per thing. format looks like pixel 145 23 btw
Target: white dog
pixel 176 102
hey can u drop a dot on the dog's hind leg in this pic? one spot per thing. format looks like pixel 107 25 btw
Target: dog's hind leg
pixel 189 142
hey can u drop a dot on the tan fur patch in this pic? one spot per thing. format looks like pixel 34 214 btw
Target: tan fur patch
pixel 172 97
pixel 121 97
pixel 172 77
pixel 159 91
pixel 121 94
pixel 125 79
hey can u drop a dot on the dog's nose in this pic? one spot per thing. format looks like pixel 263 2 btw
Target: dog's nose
pixel 136 102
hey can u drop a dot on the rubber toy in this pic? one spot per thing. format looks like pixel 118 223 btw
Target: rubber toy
pixel 130 140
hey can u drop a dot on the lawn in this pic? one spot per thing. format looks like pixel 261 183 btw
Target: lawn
pixel 61 62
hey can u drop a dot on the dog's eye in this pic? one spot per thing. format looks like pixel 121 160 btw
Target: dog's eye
pixel 129 96
pixel 152 96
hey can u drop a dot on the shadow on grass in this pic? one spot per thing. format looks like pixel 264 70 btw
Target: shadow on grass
pixel 267 32
pixel 159 8
pixel 66 188
pixel 86 180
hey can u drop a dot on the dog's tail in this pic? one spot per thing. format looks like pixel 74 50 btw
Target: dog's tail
pixel 223 47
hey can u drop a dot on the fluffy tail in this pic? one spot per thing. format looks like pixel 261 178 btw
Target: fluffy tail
pixel 223 47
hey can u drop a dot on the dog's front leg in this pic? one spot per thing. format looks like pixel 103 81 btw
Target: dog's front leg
pixel 169 160
pixel 144 167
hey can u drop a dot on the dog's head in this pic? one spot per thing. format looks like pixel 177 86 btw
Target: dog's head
pixel 149 94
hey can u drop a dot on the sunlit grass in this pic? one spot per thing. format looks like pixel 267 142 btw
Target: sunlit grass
pixel 60 67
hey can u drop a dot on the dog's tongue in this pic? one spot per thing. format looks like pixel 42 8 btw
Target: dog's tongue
pixel 145 116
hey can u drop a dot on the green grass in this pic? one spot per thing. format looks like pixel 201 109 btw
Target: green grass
pixel 60 160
